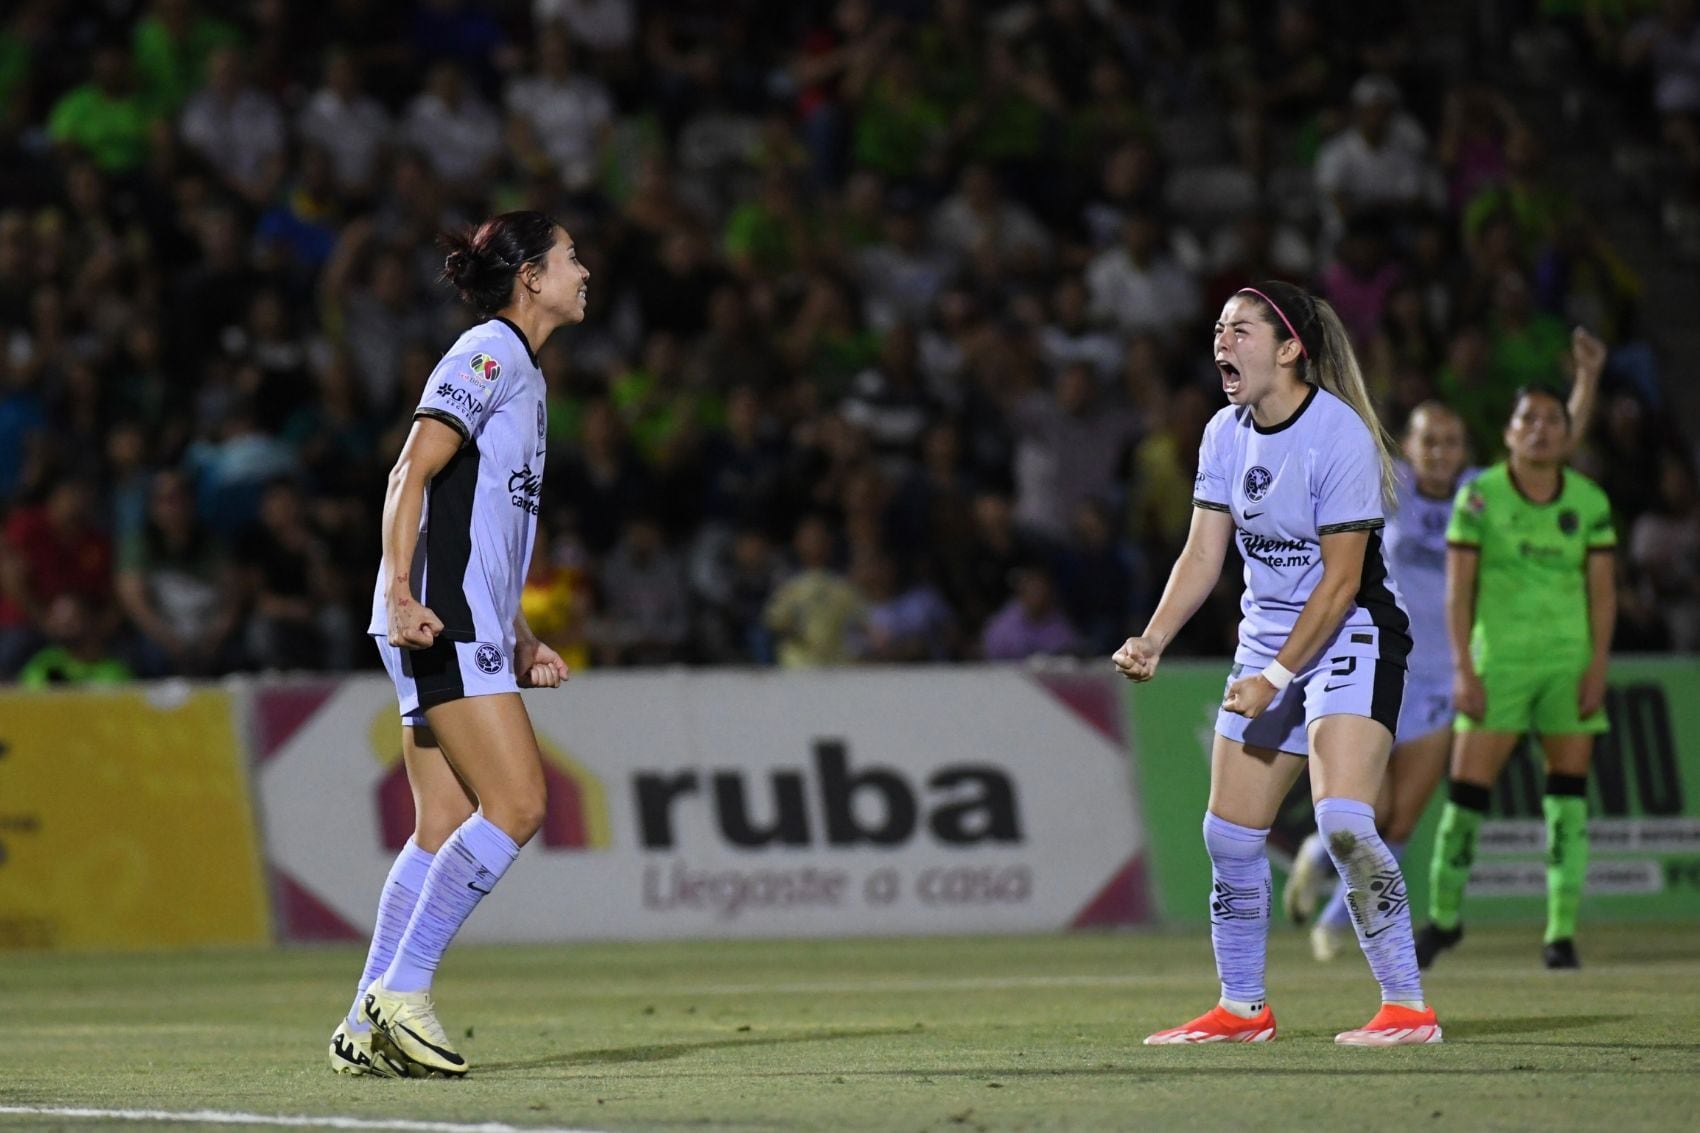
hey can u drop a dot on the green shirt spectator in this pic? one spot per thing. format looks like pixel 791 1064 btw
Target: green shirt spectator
pixel 898 125
pixel 104 118
pixel 170 49
pixel 57 665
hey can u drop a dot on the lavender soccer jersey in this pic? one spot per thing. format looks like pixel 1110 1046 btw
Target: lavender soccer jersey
pixel 1314 474
pixel 479 521
pixel 1416 557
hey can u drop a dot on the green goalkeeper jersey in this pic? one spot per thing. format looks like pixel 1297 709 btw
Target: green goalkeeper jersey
pixel 1532 580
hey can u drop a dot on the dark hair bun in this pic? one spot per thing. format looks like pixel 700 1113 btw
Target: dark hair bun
pixel 481 263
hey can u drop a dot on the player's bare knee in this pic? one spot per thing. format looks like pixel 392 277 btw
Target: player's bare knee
pixel 434 823
pixel 520 816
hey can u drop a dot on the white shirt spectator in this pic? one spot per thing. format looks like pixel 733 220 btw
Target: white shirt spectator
pixel 900 285
pixel 1394 174
pixel 601 25
pixel 460 140
pixel 237 133
pixel 1010 230
pixel 1155 297
pixel 1062 348
pixel 353 131
pixel 567 117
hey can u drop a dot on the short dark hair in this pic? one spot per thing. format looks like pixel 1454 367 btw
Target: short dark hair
pixel 482 262
pixel 1542 389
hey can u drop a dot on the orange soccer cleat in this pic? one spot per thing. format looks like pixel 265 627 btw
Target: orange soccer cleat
pixel 1219 1025
pixel 1395 1026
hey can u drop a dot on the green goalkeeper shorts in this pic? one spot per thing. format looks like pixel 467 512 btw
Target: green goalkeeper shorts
pixel 1539 700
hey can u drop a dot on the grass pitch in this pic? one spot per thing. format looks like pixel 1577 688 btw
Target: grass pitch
pixel 1033 1033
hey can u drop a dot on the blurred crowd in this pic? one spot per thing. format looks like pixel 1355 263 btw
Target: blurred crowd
pixel 898 347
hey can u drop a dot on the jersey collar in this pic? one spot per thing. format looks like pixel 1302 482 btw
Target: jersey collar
pixel 1290 421
pixel 519 334
pixel 1527 498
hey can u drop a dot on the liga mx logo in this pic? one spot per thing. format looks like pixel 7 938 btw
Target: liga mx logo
pixel 485 368
pixel 575 815
pixel 1257 481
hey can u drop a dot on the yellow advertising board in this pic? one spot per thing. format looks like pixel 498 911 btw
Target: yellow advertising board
pixel 126 822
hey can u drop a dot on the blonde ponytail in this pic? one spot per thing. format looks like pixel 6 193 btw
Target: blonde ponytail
pixel 1335 368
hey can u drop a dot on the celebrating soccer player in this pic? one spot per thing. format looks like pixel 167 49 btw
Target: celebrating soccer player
pixel 459 522
pixel 1299 466
pixel 1530 603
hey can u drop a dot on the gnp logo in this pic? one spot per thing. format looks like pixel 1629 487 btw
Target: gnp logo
pixel 575 817
pixel 958 805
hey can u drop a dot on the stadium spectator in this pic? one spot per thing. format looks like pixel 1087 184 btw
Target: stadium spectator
pixel 644 615
pixel 1379 166
pixel 814 612
pixel 299 617
pixel 77 653
pixel 51 549
pixel 899 622
pixel 1031 624
pixel 105 118
pixel 460 136
pixel 177 585
pixel 1138 286
pixel 1664 546
pixel 348 124
pixel 1069 448
pixel 236 129
pixel 558 117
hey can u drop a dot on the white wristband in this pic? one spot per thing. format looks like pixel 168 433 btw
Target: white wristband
pixel 1277 675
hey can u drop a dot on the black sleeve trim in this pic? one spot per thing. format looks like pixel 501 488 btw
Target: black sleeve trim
pixel 1354 525
pixel 1608 549
pixel 1208 505
pixel 1455 545
pixel 446 418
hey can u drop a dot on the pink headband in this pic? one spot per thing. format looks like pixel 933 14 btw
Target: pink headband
pixel 1280 314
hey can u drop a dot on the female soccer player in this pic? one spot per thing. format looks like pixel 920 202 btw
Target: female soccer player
pixel 1530 602
pixel 1298 464
pixel 460 518
pixel 1429 479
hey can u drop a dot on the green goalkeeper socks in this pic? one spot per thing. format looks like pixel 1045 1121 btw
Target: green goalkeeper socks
pixel 1566 810
pixel 1455 852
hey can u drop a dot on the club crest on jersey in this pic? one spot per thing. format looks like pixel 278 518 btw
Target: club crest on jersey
pixel 542 424
pixel 488 659
pixel 1569 522
pixel 485 368
pixel 1257 481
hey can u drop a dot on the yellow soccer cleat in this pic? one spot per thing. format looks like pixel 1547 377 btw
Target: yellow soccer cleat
pixel 367 1052
pixel 409 1020
pixel 1219 1025
pixel 1395 1026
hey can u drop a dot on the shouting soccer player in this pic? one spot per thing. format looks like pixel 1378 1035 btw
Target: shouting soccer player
pixel 1299 467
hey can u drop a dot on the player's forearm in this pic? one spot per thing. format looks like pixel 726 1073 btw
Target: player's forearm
pixel 404 500
pixel 1602 608
pixel 1460 611
pixel 522 630
pixel 1190 583
pixel 1321 616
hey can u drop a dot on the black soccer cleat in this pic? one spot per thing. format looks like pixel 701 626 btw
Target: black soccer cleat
pixel 1433 940
pixel 1560 954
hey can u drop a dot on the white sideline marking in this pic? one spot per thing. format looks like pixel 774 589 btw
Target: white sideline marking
pixel 222 1117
